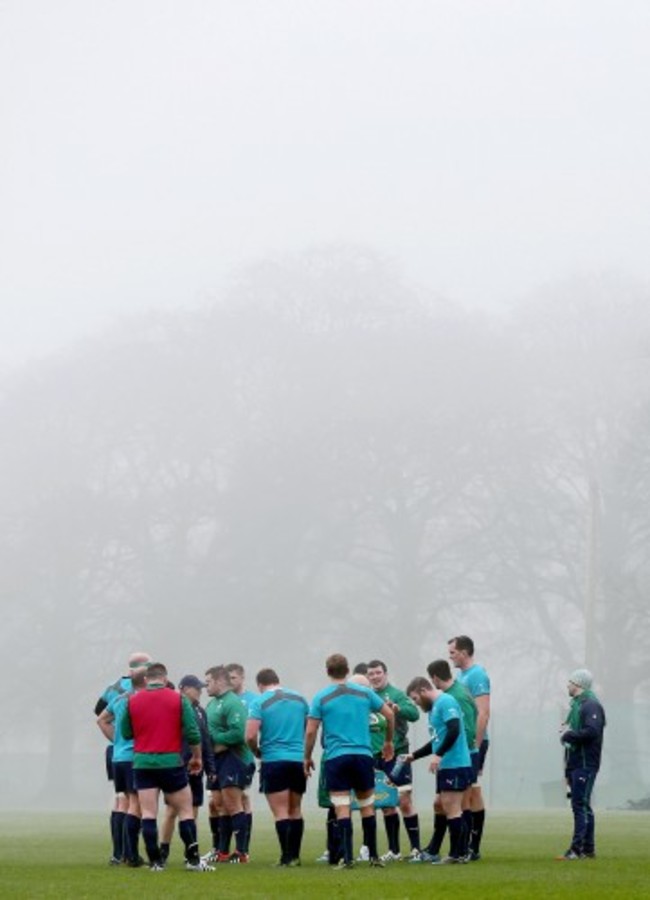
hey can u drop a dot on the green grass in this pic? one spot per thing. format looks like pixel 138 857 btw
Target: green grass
pixel 63 855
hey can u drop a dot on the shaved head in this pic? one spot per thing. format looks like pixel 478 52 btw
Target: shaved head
pixel 139 660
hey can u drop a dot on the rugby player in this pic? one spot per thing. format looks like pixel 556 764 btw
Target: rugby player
pixel 441 677
pixel 190 687
pixel 237 678
pixel 234 763
pixel 275 732
pixel 157 719
pixel 405 712
pixel 343 709
pixel 450 762
pixel 136 662
pixel 110 724
pixel 476 680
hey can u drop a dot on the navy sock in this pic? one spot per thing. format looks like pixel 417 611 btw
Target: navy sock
pixel 391 823
pixel 187 831
pixel 225 833
pixel 150 838
pixel 296 832
pixel 369 825
pixel 412 825
pixel 214 831
pixel 455 836
pixel 478 820
pixel 345 834
pixel 467 830
pixel 282 829
pixel 112 827
pixel 117 828
pixel 132 834
pixel 333 837
pixel 249 830
pixel 238 826
pixel 439 831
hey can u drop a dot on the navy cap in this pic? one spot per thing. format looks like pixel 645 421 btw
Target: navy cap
pixel 190 681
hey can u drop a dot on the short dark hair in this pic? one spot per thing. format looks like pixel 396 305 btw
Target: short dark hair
pixel 217 672
pixel 266 677
pixel 156 670
pixel 360 669
pixel 417 684
pixel 463 642
pixel 377 664
pixel 439 668
pixel 337 665
pixel 235 667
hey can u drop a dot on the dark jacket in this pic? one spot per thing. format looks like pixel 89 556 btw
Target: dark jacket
pixel 584 741
pixel 206 744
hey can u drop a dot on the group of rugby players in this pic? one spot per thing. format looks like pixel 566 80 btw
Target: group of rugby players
pixel 162 740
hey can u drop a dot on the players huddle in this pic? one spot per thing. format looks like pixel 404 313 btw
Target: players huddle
pixel 163 741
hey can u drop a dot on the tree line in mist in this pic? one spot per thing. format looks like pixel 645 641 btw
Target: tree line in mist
pixel 328 457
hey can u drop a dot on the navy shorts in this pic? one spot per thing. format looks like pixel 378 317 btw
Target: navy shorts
pixel 454 779
pixel 231 771
pixel 123 778
pixel 196 786
pixel 350 772
pixel 108 760
pixel 282 776
pixel 386 766
pixel 169 781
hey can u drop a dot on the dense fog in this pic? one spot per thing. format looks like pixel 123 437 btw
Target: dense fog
pixel 328 459
pixel 325 328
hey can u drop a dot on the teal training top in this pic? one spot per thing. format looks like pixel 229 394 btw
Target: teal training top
pixel 282 715
pixel 444 710
pixel 247 698
pixel 122 747
pixel 477 682
pixel 344 710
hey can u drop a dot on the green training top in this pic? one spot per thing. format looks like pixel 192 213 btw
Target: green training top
pixel 406 712
pixel 468 708
pixel 226 717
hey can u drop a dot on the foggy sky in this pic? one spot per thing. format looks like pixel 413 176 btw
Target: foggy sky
pixel 150 147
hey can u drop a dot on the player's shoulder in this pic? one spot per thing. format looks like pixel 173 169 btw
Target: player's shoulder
pixel 476 679
pixel 291 692
pixel 447 701
pixel 292 696
pixel 325 693
pixel 444 699
pixel 261 701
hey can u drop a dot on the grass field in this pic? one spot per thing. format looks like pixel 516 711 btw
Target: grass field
pixel 65 856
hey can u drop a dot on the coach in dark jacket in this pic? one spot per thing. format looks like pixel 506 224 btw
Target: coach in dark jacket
pixel 582 737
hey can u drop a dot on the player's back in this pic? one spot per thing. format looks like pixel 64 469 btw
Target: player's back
pixel 282 714
pixel 344 710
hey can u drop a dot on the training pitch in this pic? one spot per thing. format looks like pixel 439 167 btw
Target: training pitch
pixel 65 855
